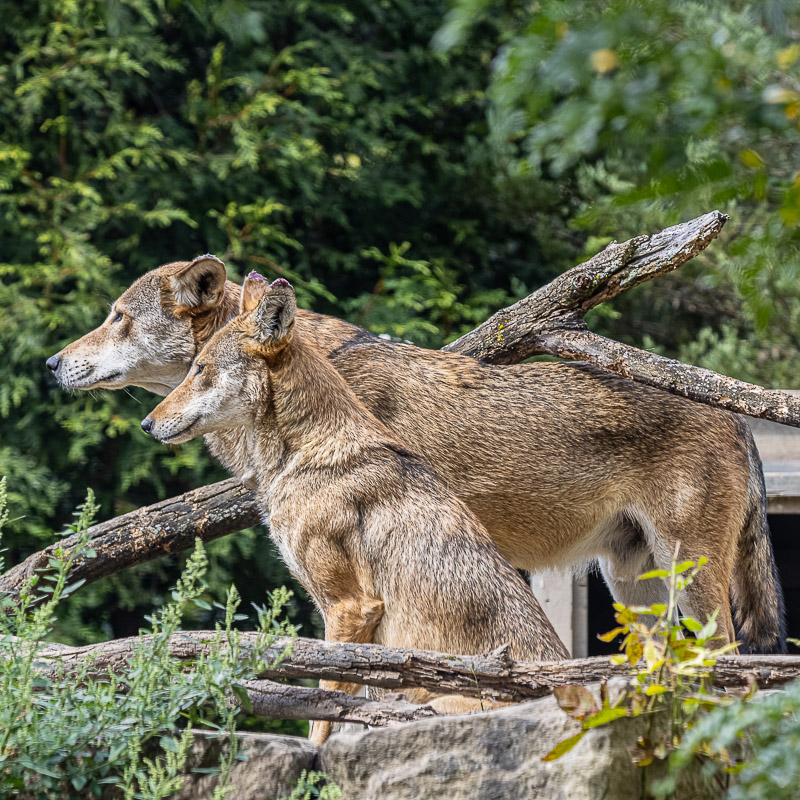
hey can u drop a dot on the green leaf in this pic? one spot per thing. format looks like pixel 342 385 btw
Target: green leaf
pixel 654 573
pixel 243 697
pixel 604 716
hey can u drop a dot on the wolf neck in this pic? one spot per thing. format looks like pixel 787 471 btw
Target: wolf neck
pixel 313 417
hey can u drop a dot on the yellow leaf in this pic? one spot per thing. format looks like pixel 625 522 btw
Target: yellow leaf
pixel 751 159
pixel 611 635
pixel 563 747
pixel 654 573
pixel 652 690
pixel 633 650
pixel 604 61
pixel 777 95
pixel 788 56
pixel 651 656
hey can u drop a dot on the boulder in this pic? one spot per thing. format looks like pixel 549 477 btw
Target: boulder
pixel 272 768
pixel 495 755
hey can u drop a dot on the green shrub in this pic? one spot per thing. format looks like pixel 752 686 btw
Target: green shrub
pixel 767 728
pixel 68 733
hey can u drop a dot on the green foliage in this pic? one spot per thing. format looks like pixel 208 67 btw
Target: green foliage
pixel 671 662
pixel 314 786
pixel 300 139
pixel 651 113
pixel 769 729
pixel 69 732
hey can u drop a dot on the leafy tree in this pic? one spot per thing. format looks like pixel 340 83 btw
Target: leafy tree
pixel 304 139
pixel 654 112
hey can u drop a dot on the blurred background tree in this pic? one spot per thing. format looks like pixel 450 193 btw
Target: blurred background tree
pixel 411 188
pixel 649 113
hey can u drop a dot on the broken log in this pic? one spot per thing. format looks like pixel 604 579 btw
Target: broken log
pixel 279 701
pixel 148 533
pixel 492 675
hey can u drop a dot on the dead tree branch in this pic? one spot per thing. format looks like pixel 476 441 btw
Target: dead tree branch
pixel 278 701
pixel 551 321
pixel 492 675
pixel 148 533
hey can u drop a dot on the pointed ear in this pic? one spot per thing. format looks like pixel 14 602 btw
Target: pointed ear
pixel 273 318
pixel 200 284
pixel 253 289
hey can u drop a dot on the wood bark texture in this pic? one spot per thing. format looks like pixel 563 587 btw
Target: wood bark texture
pixel 492 675
pixel 279 701
pixel 148 533
pixel 551 322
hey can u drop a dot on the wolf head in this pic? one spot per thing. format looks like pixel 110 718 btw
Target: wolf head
pixel 154 330
pixel 228 383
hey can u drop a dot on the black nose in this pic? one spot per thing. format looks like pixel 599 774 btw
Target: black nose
pixel 147 425
pixel 52 363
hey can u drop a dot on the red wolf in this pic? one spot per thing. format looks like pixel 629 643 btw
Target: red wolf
pixel 563 464
pixel 387 551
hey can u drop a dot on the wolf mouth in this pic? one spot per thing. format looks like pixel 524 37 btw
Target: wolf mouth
pixel 86 381
pixel 181 431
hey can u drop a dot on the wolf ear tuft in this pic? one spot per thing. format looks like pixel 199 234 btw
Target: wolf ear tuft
pixel 274 315
pixel 253 290
pixel 200 284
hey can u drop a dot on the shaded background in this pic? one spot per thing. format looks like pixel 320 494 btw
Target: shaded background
pixel 410 166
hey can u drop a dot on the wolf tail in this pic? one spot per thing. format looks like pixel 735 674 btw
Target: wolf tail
pixel 756 594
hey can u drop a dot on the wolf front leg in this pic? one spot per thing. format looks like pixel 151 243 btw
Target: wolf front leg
pixel 350 620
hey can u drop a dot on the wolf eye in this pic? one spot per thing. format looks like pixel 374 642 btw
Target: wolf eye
pixel 200 368
pixel 117 316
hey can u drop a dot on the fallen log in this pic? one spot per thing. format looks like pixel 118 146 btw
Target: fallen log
pixel 148 533
pixel 279 701
pixel 492 675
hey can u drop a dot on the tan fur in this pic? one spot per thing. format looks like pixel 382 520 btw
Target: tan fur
pixel 562 463
pixel 388 553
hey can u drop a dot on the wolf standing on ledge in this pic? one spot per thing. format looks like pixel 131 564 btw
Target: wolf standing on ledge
pixel 386 551
pixel 562 463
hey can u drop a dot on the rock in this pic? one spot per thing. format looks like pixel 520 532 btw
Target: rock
pixel 494 755
pixel 273 766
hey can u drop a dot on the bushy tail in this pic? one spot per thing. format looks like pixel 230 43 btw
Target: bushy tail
pixel 756 594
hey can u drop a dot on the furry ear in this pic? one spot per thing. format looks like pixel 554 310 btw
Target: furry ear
pixel 200 284
pixel 274 315
pixel 253 289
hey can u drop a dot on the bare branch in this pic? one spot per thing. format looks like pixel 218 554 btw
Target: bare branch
pixel 278 701
pixel 148 533
pixel 551 321
pixel 695 383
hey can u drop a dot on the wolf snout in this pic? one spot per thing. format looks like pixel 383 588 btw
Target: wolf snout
pixel 53 363
pixel 147 425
